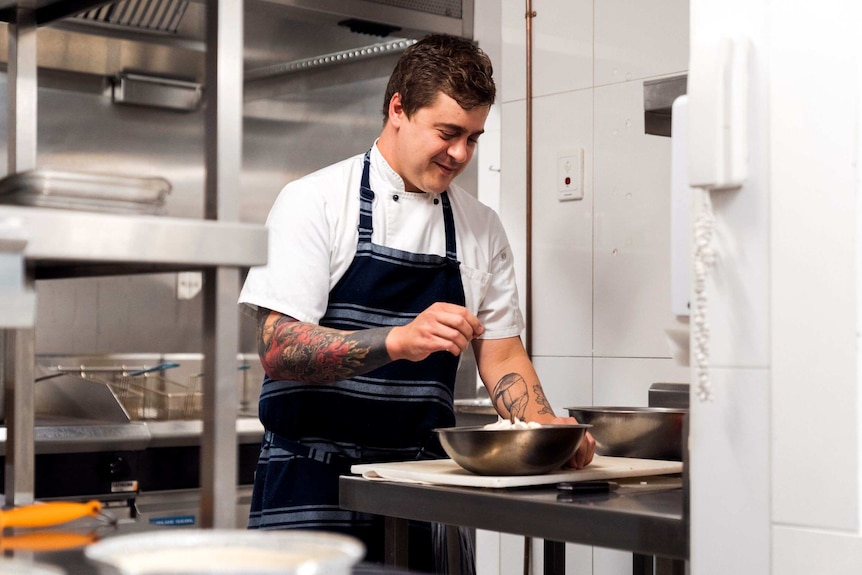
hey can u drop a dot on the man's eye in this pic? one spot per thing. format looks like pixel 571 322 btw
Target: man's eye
pixel 447 135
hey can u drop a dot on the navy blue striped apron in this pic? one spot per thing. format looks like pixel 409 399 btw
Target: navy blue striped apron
pixel 314 433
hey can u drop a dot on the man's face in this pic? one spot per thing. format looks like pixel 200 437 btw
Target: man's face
pixel 436 144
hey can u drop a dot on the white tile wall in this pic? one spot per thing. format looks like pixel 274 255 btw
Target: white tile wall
pixel 627 212
pixel 639 39
pixel 805 551
pixel 488 553
pixel 513 189
pixel 513 42
pixel 567 381
pixel 631 255
pixel 563 231
pixel 487 31
pixel 511 554
pixel 626 381
pixel 487 157
pixel 562 47
pixel 729 471
pixel 815 267
pixel 611 561
pixel 104 315
pixel 598 317
pixel 579 561
pixel 768 311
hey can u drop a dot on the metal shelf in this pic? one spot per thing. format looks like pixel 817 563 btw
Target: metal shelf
pixel 64 243
pixel 81 437
pixel 659 96
pixel 46 11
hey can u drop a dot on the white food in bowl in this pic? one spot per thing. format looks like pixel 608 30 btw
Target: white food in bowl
pixel 517 424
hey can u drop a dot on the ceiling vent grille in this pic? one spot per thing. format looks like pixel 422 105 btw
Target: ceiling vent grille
pixel 153 15
pixel 448 8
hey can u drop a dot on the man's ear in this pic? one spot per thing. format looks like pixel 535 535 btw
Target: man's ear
pixel 396 109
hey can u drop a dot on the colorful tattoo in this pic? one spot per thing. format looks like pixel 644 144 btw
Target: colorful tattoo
pixel 299 351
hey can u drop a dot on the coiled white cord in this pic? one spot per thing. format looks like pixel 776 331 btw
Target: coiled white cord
pixel 704 260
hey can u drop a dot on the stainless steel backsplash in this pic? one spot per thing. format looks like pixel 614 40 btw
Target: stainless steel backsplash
pixel 80 129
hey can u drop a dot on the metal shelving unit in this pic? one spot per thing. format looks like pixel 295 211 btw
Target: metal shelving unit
pixel 72 244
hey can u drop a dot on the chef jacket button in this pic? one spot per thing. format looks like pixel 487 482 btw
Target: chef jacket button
pixel 395 197
pixel 436 201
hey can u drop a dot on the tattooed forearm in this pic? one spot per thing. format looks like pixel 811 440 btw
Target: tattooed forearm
pixel 510 395
pixel 542 400
pixel 299 351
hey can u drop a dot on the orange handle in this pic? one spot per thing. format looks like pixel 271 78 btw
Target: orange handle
pixel 48 514
pixel 46 541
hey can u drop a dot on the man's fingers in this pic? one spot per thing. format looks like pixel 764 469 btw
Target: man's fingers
pixel 454 317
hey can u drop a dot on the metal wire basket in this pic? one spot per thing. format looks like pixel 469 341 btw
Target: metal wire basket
pixel 144 393
pixel 150 396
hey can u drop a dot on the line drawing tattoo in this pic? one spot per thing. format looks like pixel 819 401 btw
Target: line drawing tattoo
pixel 511 394
pixel 542 400
pixel 299 351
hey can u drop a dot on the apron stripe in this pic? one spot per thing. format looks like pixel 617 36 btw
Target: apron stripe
pixel 380 313
pixel 366 318
pixel 407 391
pixel 431 263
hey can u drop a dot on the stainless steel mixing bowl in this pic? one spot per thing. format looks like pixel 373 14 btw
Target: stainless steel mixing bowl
pixel 512 451
pixel 642 432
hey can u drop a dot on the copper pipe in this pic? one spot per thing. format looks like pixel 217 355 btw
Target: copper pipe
pixel 529 15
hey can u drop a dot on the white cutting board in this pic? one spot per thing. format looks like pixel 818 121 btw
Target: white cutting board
pixel 447 472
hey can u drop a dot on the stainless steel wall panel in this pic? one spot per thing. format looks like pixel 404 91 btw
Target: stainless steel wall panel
pixel 309 125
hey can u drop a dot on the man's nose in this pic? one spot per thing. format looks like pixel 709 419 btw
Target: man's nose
pixel 459 150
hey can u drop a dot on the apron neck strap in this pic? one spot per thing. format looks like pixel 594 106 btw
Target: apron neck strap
pixel 366 200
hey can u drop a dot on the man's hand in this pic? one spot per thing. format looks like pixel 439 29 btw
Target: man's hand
pixel 584 455
pixel 441 327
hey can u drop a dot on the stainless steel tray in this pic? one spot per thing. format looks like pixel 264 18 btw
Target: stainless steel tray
pixel 85 191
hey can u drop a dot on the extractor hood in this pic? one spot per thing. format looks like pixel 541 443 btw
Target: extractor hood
pixel 401 18
pixel 166 38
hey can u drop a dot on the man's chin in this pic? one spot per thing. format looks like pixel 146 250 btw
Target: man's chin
pixel 438 186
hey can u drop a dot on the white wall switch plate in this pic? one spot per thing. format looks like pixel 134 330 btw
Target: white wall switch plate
pixel 570 177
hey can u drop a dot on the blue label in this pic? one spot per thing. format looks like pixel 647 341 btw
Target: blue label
pixel 175 520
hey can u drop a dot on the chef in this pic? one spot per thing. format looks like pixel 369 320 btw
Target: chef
pixel 381 272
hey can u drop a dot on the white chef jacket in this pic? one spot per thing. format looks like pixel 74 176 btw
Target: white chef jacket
pixel 313 234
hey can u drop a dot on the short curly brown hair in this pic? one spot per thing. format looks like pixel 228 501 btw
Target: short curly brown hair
pixel 441 63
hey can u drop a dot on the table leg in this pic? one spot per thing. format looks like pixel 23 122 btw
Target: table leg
pixel 395 542
pixel 555 558
pixel 667 566
pixel 459 550
pixel 649 565
pixel 642 564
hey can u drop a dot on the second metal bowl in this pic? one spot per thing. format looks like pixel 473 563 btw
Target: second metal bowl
pixel 642 432
pixel 512 451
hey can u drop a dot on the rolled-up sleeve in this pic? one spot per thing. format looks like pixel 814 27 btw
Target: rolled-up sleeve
pixel 499 310
pixel 295 279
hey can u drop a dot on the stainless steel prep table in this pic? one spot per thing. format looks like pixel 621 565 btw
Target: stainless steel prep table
pixel 646 516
